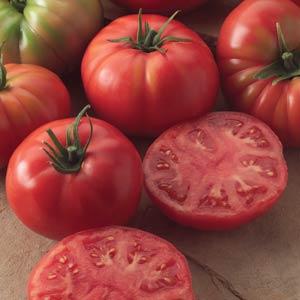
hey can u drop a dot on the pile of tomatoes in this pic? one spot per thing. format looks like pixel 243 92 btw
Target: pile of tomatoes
pixel 145 75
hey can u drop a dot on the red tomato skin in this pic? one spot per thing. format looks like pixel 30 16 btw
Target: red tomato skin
pixel 213 222
pixel 37 283
pixel 160 6
pixel 34 96
pixel 106 191
pixel 247 43
pixel 145 93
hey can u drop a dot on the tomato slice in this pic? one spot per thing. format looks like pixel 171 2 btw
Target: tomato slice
pixel 217 172
pixel 112 263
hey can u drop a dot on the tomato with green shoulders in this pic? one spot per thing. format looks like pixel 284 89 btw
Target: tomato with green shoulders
pixel 49 33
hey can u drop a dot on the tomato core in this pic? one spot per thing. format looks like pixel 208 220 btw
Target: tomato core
pixel 19 5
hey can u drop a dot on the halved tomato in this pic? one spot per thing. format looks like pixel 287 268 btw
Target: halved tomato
pixel 112 263
pixel 217 172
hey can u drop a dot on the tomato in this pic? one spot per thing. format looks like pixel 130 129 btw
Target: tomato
pixel 116 263
pixel 29 97
pixel 160 6
pixel 65 189
pixel 217 172
pixel 145 86
pixel 258 49
pixel 49 33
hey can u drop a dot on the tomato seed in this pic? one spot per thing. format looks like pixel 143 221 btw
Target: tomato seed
pixel 52 276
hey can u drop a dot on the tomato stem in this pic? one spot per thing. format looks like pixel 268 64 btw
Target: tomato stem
pixel 69 158
pixel 19 5
pixel 288 64
pixel 288 60
pixel 3 72
pixel 149 40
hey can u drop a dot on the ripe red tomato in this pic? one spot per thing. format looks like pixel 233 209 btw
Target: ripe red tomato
pixel 258 52
pixel 116 263
pixel 29 97
pixel 145 87
pixel 75 189
pixel 217 172
pixel 160 6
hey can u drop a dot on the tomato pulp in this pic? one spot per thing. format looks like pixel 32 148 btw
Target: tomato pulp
pixel 217 172
pixel 258 54
pixel 144 83
pixel 114 263
pixel 61 189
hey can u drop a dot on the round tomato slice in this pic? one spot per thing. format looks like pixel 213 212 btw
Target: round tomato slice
pixel 112 263
pixel 217 172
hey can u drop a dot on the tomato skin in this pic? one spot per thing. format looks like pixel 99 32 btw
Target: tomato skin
pixel 140 266
pixel 159 89
pixel 105 191
pixel 50 33
pixel 160 6
pixel 199 189
pixel 34 96
pixel 247 43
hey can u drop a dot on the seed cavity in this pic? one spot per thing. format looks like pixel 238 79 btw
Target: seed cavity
pixel 112 252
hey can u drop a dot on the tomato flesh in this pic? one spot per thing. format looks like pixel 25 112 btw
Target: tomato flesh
pixel 217 172
pixel 112 263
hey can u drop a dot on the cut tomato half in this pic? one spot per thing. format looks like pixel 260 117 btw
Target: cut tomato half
pixel 112 263
pixel 217 172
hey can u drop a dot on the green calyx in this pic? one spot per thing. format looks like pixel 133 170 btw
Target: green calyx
pixel 149 40
pixel 286 67
pixel 3 72
pixel 68 159
pixel 19 5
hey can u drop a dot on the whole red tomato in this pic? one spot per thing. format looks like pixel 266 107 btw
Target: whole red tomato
pixel 112 263
pixel 258 53
pixel 159 5
pixel 145 76
pixel 73 177
pixel 29 97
